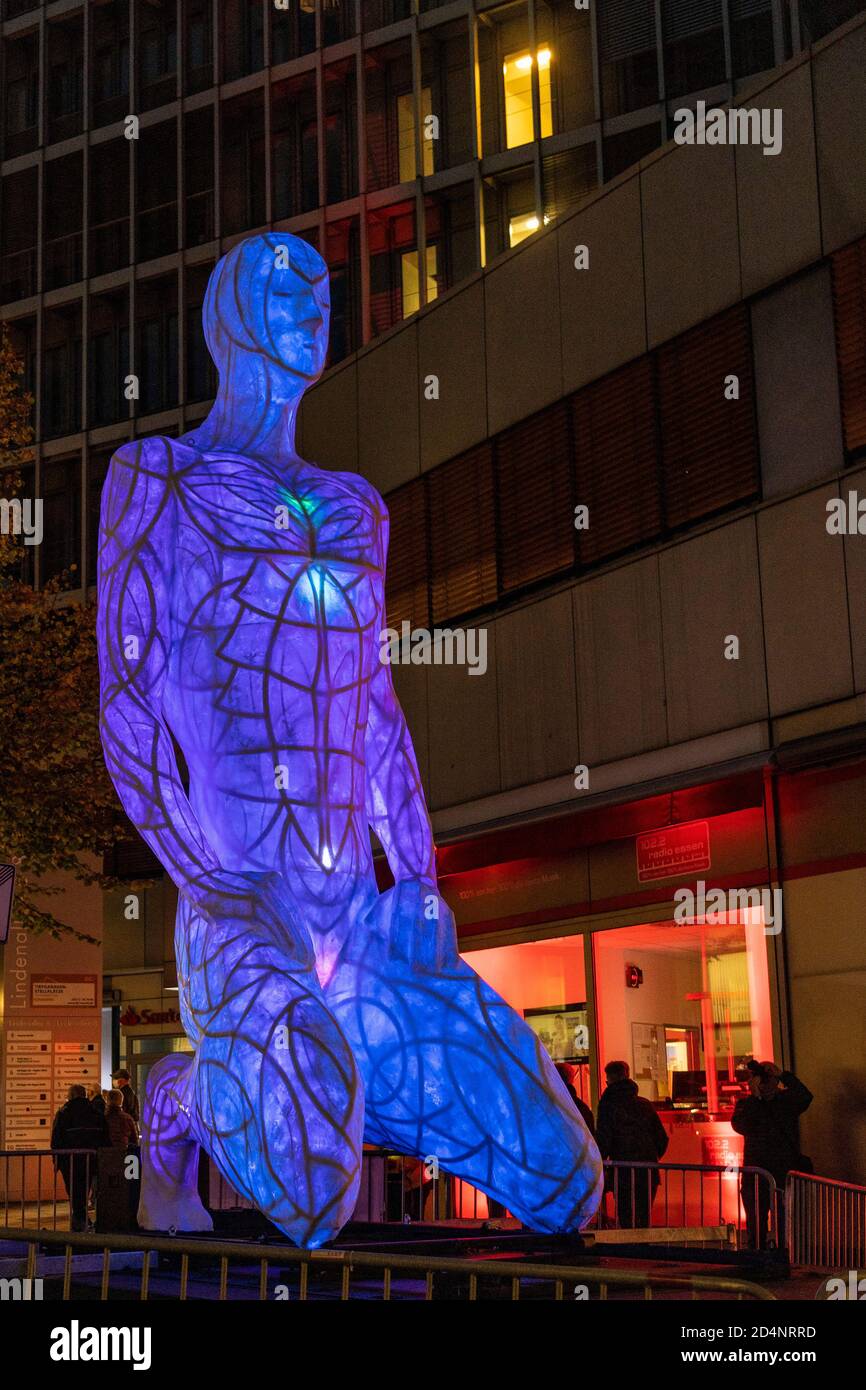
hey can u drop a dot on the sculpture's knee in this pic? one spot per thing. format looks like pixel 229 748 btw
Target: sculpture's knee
pixel 169 1151
pixel 279 1104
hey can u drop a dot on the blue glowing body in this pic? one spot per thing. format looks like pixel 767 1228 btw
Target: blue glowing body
pixel 241 598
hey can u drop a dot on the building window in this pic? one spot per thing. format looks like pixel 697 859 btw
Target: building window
pixel 61 388
pixel 617 461
pixel 198 56
pixel 709 440
pixel 393 256
pixel 201 377
pixel 517 91
pixel 566 178
pixel 621 152
pixel 694 45
pixel 461 508
pixel 627 55
pixel 522 226
pixel 534 486
pixel 22 104
pixel 406 134
pixel 97 470
pixel 342 253
pixel 61 501
pixel 699 1013
pixel 849 309
pixel 508 198
pixel 406 596
pixel 110 66
pixel 156 364
pixel 388 77
pixel 411 285
pixel 107 369
pixel 821 17
pixel 752 46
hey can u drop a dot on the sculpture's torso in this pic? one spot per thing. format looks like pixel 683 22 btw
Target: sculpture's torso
pixel 275 613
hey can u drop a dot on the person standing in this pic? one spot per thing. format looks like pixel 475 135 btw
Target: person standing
pixel 77 1126
pixel 583 1109
pixel 767 1119
pixel 120 1079
pixel 96 1097
pixel 122 1129
pixel 629 1130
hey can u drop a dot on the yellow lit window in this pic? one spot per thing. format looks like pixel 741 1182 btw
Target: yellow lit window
pixel 517 81
pixel 519 228
pixel 406 134
pixel 411 287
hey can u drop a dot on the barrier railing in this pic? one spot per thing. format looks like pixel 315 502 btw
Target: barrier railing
pixel 54 1189
pixel 53 1186
pixel 826 1222
pixel 691 1196
pixel 305 1274
pixel 637 1196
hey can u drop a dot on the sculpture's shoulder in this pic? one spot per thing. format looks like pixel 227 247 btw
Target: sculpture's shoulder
pixel 360 487
pixel 154 458
pixel 139 487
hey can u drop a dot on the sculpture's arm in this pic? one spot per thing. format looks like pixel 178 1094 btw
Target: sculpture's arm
pixel 396 808
pixel 137 548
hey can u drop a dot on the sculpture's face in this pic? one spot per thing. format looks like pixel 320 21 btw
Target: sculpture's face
pixel 297 314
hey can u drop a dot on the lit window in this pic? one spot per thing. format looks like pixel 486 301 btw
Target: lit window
pixel 517 82
pixel 519 228
pixel 411 287
pixel 406 134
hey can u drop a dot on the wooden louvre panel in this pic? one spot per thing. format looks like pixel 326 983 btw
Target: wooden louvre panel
pixel 462 534
pixel 709 443
pixel 406 576
pixel 534 486
pixel 849 310
pixel 616 461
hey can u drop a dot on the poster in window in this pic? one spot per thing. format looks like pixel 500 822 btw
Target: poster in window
pixel 563 1031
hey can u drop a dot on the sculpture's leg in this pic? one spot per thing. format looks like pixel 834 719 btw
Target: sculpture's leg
pixel 169 1154
pixel 452 1073
pixel 276 1097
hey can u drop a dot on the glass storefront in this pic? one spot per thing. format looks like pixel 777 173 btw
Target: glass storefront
pixel 685 1004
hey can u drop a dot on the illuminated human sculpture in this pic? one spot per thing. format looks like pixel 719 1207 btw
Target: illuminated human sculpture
pixel 240 612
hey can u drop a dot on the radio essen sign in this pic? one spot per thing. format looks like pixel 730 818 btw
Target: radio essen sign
pixel 673 851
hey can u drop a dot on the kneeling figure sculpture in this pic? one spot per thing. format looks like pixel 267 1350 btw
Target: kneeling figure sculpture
pixel 241 602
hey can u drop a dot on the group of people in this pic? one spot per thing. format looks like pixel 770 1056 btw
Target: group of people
pixel 92 1119
pixel 628 1131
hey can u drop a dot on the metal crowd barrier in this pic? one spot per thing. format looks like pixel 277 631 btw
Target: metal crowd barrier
pixel 686 1196
pixel 826 1222
pixel 691 1195
pixel 352 1274
pixel 38 1185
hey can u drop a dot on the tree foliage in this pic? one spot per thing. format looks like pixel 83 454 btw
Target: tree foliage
pixel 58 809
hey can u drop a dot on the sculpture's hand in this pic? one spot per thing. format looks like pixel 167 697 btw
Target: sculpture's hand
pixel 257 902
pixel 419 924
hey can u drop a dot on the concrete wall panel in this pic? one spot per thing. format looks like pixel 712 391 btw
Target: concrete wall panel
pixel 620 669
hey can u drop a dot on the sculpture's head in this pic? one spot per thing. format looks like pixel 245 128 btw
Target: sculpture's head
pixel 269 297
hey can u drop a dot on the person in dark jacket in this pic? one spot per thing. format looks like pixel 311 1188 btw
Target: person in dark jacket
pixel 122 1129
pixel 96 1097
pixel 130 1099
pixel 767 1119
pixel 77 1126
pixel 581 1105
pixel 629 1130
